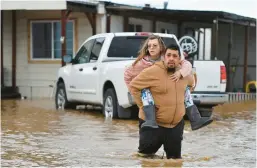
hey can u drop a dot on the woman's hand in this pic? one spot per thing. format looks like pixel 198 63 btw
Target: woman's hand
pixel 176 76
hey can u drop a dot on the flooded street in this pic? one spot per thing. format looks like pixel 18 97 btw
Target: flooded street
pixel 35 134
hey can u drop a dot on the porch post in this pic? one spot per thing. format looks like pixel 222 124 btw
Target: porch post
pixel 154 25
pixel 13 48
pixel 63 34
pixel 94 24
pixel 246 55
pixel 179 25
pixel 108 23
pixel 64 16
pixel 217 38
pixel 230 42
pixel 125 23
pixel 92 20
pixel 214 46
pixel 204 41
pixel 2 56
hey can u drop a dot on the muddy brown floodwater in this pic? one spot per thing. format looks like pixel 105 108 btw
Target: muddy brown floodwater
pixel 35 134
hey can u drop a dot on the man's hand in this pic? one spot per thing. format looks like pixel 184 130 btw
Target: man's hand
pixel 192 89
pixel 176 76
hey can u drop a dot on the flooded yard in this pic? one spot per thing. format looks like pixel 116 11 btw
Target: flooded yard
pixel 35 134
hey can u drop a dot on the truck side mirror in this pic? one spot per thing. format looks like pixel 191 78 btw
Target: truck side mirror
pixel 67 58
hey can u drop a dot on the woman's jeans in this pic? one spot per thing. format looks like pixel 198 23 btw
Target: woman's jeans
pixel 147 98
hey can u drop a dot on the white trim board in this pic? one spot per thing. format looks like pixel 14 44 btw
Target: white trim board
pixel 33 5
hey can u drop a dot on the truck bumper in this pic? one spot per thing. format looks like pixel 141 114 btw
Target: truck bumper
pixel 199 99
pixel 210 99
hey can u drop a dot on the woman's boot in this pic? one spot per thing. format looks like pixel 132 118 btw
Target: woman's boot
pixel 193 114
pixel 149 109
pixel 195 118
pixel 149 117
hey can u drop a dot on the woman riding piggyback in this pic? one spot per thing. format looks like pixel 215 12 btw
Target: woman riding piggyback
pixel 152 51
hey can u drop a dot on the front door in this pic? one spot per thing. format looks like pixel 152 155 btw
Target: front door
pixel 79 63
pixel 87 77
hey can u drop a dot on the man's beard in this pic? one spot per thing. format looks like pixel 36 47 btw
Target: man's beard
pixel 171 69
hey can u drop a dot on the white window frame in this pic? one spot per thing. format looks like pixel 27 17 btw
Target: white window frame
pixel 134 26
pixel 167 31
pixel 31 39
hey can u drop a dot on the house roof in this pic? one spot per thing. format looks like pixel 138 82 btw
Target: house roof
pixel 33 5
pixel 83 2
pixel 75 5
pixel 178 15
pixel 82 6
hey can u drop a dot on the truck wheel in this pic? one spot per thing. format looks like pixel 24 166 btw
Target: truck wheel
pixel 61 101
pixel 110 104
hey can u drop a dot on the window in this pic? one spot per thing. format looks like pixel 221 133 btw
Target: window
pixel 128 47
pixel 166 31
pixel 45 39
pixel 89 51
pixel 169 41
pixel 97 48
pixel 135 28
pixel 83 55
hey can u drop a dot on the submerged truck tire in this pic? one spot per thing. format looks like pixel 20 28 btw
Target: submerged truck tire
pixel 111 108
pixel 61 100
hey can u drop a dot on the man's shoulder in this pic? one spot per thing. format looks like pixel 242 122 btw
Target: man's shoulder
pixel 152 69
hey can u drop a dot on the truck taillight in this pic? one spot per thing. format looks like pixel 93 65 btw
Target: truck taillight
pixel 143 34
pixel 223 74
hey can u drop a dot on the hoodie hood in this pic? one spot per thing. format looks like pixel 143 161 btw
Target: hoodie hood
pixel 148 61
pixel 161 64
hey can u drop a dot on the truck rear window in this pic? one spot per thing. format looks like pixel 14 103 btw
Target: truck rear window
pixel 128 46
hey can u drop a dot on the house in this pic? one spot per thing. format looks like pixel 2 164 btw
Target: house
pixel 34 40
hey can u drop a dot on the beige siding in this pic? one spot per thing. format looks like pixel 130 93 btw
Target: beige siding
pixel 116 23
pixel 7 47
pixel 146 24
pixel 237 50
pixel 164 25
pixel 84 27
pixel 35 77
pixel 101 24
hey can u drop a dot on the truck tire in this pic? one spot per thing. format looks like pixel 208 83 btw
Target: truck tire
pixel 61 101
pixel 111 106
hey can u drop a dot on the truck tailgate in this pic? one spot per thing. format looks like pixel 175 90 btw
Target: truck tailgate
pixel 208 76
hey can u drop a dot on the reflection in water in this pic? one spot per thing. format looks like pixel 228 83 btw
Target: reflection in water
pixel 34 134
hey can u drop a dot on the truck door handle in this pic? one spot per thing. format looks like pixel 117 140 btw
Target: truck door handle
pixel 94 68
pixel 80 69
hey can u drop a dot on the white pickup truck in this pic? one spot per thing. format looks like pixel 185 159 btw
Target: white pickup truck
pixel 95 76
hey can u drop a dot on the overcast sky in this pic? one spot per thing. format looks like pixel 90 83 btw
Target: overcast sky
pixel 241 7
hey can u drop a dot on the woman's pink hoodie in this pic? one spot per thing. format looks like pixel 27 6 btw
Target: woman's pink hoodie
pixel 132 71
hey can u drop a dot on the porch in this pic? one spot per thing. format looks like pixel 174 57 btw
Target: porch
pixel 31 46
pixel 220 35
